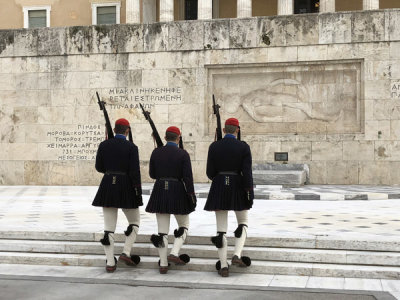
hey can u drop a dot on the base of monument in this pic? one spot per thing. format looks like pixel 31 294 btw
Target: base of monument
pixel 288 175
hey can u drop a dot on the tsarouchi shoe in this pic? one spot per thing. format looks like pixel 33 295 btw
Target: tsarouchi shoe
pixel 111 269
pixel 224 272
pixel 238 262
pixel 176 260
pixel 163 270
pixel 127 260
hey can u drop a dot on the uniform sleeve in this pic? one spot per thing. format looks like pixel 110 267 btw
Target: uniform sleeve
pixel 99 160
pixel 152 170
pixel 247 169
pixel 210 164
pixel 187 174
pixel 134 169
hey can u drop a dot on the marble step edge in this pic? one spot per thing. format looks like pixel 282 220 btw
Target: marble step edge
pixel 208 265
pixel 184 279
pixel 327 196
pixel 376 243
pixel 204 251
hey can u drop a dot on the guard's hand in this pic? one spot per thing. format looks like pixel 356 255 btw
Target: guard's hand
pixel 249 196
pixel 139 200
pixel 194 200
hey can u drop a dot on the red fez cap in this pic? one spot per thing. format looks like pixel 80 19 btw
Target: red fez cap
pixel 174 129
pixel 123 122
pixel 232 121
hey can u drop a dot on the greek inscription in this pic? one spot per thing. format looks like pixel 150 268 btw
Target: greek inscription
pixel 395 90
pixel 78 144
pixel 129 98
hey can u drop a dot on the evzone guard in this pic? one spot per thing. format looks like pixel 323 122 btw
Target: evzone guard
pixel 229 167
pixel 118 160
pixel 173 193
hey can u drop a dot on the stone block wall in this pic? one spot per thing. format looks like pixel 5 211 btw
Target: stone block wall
pixel 323 87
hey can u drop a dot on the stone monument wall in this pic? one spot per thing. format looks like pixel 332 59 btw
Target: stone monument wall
pixel 323 87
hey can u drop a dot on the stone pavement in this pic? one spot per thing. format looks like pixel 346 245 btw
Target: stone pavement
pixel 20 289
pixel 311 192
pixel 68 209
pixel 307 192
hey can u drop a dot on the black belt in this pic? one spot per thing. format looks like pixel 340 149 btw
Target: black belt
pixel 116 173
pixel 228 173
pixel 168 179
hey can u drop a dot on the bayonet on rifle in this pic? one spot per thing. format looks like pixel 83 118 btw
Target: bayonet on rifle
pixel 218 130
pixel 102 104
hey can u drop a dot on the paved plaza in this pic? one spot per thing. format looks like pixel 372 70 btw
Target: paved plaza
pixel 24 289
pixel 68 209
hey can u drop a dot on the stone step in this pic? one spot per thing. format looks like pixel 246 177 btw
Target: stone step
pixel 208 265
pixel 287 178
pixel 205 251
pixel 289 175
pixel 377 244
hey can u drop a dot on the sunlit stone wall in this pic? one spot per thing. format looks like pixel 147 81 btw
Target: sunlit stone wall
pixel 324 88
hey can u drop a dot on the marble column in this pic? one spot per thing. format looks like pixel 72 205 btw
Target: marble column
pixel 285 7
pixel 326 6
pixel 166 10
pixel 204 10
pixel 132 11
pixel 149 11
pixel 370 4
pixel 244 8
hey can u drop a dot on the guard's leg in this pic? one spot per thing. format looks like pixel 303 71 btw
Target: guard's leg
pixel 161 240
pixel 240 239
pixel 221 242
pixel 133 217
pixel 110 222
pixel 180 237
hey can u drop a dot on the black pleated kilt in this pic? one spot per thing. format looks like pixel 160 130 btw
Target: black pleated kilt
pixel 118 195
pixel 227 194
pixel 170 199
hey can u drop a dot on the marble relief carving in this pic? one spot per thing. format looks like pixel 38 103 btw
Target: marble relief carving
pixel 309 98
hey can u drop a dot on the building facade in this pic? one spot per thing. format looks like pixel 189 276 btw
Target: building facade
pixel 325 88
pixel 58 13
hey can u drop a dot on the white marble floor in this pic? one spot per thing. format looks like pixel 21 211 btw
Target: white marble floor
pixel 68 208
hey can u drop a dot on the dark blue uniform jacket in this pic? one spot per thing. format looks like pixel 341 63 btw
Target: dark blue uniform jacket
pixel 173 189
pixel 120 187
pixel 229 167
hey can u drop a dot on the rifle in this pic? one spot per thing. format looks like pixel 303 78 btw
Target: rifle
pixel 180 142
pixel 153 127
pixel 130 135
pixel 218 130
pixel 102 104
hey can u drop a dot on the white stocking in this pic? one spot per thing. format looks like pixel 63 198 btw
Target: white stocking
pixel 163 228
pixel 133 217
pixel 110 222
pixel 163 252
pixel 242 218
pixel 183 221
pixel 222 226
pixel 109 250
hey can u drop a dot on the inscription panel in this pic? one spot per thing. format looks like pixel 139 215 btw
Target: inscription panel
pixel 395 89
pixel 78 144
pixel 130 98
pixel 295 98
